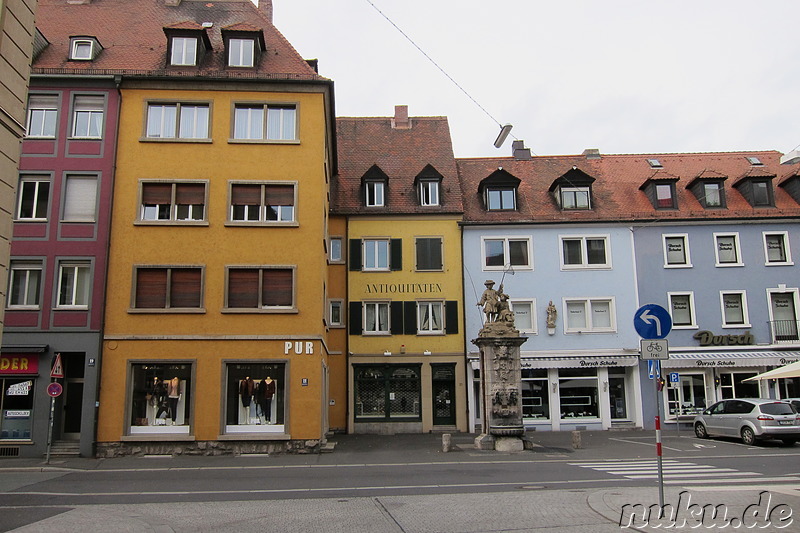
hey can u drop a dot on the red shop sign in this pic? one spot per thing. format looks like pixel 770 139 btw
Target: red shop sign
pixel 19 364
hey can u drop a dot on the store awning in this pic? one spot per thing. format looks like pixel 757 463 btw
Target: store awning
pixel 23 348
pixel 579 362
pixel 730 359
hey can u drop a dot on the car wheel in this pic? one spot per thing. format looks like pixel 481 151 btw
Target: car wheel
pixel 700 431
pixel 748 437
pixel 789 442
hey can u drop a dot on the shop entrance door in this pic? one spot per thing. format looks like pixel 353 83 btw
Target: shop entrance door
pixel 444 394
pixel 73 395
pixel 616 396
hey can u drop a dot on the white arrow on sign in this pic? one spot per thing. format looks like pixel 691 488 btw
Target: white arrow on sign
pixel 647 317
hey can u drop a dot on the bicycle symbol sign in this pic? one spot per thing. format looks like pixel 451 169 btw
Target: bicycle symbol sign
pixel 654 349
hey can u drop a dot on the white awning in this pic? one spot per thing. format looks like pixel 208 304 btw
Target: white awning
pixel 599 361
pixel 730 359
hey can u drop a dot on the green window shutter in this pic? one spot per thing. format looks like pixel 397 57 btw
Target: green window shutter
pixel 355 254
pixel 451 317
pixel 410 318
pixel 354 321
pixel 396 320
pixel 396 254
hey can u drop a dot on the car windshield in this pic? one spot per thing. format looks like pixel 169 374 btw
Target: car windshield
pixel 777 408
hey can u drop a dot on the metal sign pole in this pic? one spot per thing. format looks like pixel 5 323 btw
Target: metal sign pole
pixel 657 382
pixel 50 429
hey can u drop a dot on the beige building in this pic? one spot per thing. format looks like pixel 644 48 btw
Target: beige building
pixel 16 44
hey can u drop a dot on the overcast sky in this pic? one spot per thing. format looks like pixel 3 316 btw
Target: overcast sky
pixel 622 76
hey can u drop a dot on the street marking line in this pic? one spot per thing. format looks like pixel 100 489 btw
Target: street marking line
pixel 647 444
pixel 696 474
pixel 748 480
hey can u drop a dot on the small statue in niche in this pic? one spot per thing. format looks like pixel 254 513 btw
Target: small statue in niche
pixel 552 314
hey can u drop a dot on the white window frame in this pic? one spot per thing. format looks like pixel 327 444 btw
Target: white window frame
pixel 737 249
pixel 78 268
pixel 93 107
pixel 530 303
pixel 670 187
pixel 784 235
pixel 81 208
pixel 287 214
pixel 377 305
pixel 429 193
pixel 584 264
pixel 375 255
pixel 430 305
pixel 240 55
pixel 686 252
pixel 745 315
pixel 77 45
pixel 177 130
pixel 501 191
pixel 38 180
pixel 173 204
pixel 25 267
pixel 336 256
pixel 182 55
pixel 336 302
pixel 375 192
pixel 575 192
pixel 693 314
pixel 719 193
pixel 261 119
pixel 43 113
pixel 507 252
pixel 588 313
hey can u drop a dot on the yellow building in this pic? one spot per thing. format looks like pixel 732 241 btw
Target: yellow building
pixel 217 329
pixel 398 188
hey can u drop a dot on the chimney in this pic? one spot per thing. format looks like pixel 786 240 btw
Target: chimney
pixel 400 120
pixel 266 7
pixel 519 151
pixel 591 153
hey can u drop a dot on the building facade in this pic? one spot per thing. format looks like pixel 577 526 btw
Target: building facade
pixel 398 190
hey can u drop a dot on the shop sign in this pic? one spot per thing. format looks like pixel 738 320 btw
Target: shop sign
pixel 19 364
pixel 18 414
pixel 402 288
pixel 299 347
pixel 728 363
pixel 19 389
pixel 707 338
pixel 784 361
pixel 585 363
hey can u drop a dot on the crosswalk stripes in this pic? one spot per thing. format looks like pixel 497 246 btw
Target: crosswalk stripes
pixel 680 472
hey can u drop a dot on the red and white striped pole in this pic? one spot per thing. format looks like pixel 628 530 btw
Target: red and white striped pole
pixel 658 387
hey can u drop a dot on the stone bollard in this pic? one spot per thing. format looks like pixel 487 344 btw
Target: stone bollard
pixel 445 442
pixel 576 440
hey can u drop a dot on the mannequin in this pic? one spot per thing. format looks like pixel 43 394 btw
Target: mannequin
pixel 266 390
pixel 174 395
pixel 246 390
pixel 158 399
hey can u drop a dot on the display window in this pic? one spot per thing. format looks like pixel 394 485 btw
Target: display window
pixel 535 395
pixel 255 397
pixel 16 408
pixel 388 392
pixel 577 389
pixel 161 398
pixel 689 397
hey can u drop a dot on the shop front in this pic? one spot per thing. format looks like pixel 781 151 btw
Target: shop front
pixel 575 392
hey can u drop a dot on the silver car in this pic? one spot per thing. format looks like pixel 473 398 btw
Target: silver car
pixel 750 419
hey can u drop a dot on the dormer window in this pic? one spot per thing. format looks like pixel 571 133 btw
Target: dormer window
pixel 709 189
pixel 83 48
pixel 660 190
pixel 374 187
pixel 573 190
pixel 756 187
pixel 184 51
pixel 712 194
pixel 499 191
pixel 187 43
pixel 241 52
pixel 243 45
pixel 429 183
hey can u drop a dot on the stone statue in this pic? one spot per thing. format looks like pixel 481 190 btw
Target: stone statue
pixel 504 313
pixel 489 301
pixel 552 314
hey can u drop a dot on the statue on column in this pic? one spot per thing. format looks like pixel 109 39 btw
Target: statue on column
pixel 499 317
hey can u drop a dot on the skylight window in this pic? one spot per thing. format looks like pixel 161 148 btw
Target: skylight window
pixel 655 163
pixel 754 161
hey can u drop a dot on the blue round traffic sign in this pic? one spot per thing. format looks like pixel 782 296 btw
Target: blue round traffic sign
pixel 652 322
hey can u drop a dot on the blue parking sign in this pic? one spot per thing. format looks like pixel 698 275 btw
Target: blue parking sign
pixel 674 377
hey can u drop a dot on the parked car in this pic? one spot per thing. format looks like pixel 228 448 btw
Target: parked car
pixel 795 402
pixel 750 419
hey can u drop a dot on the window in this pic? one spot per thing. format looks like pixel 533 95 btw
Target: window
pixel 733 385
pixel 376 254
pixel 376 318
pixel 776 248
pixel 74 282
pixel 375 193
pixel 654 163
pixel 82 49
pixel 578 393
pixel 712 195
pixel 727 249
pixel 173 202
pixel 590 315
pixel 177 120
pixel 429 192
pixel 682 309
pixel 80 199
pixel 335 314
pixel 429 318
pixel 34 196
pixel 575 198
pixel 249 123
pixel 261 288
pixel 676 251
pixel 255 398
pixel 665 195
pixel 734 309
pixel 584 252
pixel 42 115
pixel 161 398
pixel 762 193
pixel 335 250
pixel 25 279
pixel 429 253
pixel 16 405
pixel 168 288
pixel 535 394
pixel 390 393
pixel 501 199
pixel 524 315
pixel 241 52
pixel 87 117
pixel 184 51
pixel 507 251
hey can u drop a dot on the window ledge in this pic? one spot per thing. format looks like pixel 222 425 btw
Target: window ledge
pixel 268 224
pixel 170 311
pixel 728 265
pixel 736 326
pixel 162 437
pixel 171 223
pixel 679 266
pixel 175 140
pixel 776 264
pixel 263 141
pixel 252 310
pixel 255 436
pixel 686 326
pixel 84 138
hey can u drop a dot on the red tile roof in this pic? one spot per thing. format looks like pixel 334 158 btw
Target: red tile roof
pixel 617 193
pixel 401 154
pixel 132 35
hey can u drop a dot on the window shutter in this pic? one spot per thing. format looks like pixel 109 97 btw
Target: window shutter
pixel 186 287
pixel 151 288
pixel 396 310
pixel 156 193
pixel 190 193
pixel 355 254
pixel 246 194
pixel 410 318
pixel 89 103
pixel 243 288
pixel 81 199
pixel 279 195
pixel 451 317
pixel 277 287
pixel 355 320
pixel 396 254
